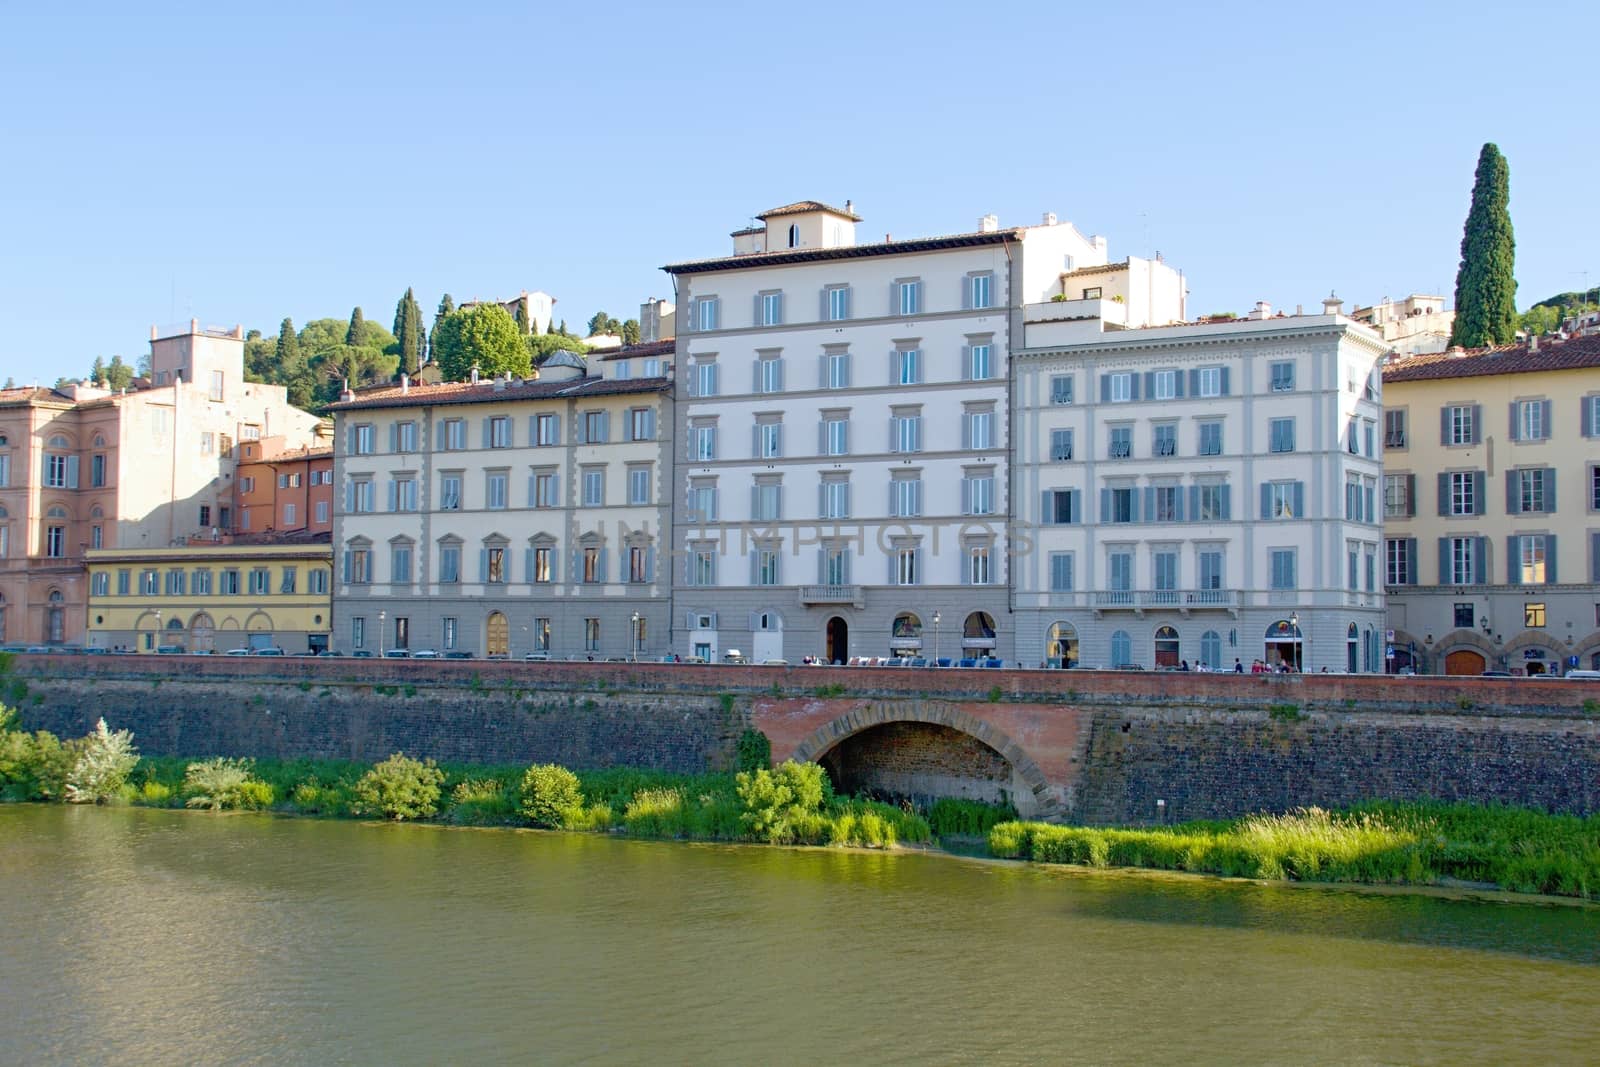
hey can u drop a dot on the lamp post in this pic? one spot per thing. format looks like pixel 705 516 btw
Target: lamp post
pixel 936 639
pixel 636 641
pixel 156 640
pixel 381 616
pixel 1299 652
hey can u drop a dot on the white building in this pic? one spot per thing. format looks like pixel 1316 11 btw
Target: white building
pixel 1191 493
pixel 1419 323
pixel 843 429
pixel 536 308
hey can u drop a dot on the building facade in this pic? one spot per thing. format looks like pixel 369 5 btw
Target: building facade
pixel 283 489
pixel 504 518
pixel 1198 494
pixel 211 598
pixel 1417 324
pixel 843 432
pixel 1492 508
pixel 84 468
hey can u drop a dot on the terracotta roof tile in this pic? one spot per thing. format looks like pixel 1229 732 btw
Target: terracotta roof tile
pixel 485 392
pixel 800 207
pixel 644 348
pixel 786 256
pixel 1576 353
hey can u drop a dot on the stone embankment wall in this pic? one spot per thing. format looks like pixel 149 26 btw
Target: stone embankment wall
pixel 1099 747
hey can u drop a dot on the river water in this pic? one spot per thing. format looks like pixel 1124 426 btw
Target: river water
pixel 146 937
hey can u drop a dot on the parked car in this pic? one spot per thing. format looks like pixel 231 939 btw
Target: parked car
pixel 544 657
pixel 268 652
pixel 425 653
pixel 329 652
pixel 396 653
pixel 362 653
pixel 237 652
pixel 458 653
pixel 1495 674
pixel 1578 674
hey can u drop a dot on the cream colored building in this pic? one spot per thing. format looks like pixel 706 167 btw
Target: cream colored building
pixel 211 598
pixel 1197 493
pixel 1492 507
pixel 1412 326
pixel 538 307
pixel 505 517
pixel 84 468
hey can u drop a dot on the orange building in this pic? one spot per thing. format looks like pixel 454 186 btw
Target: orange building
pixel 280 488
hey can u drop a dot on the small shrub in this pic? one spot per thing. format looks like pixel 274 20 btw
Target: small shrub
pixel 596 818
pixel 224 784
pixel 656 813
pixel 1285 712
pixel 399 788
pixel 312 797
pixel 781 805
pixel 754 750
pixel 1464 703
pixel 409 690
pixel 726 700
pixel 153 794
pixel 827 692
pixel 1591 706
pixel 101 762
pixel 482 802
pixel 33 766
pixel 995 694
pixel 550 795
pixel 970 818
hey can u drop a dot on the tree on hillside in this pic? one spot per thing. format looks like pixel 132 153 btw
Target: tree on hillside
pixel 1539 320
pixel 118 374
pixel 630 332
pixel 408 332
pixel 357 333
pixel 1486 285
pixel 603 323
pixel 523 326
pixel 446 306
pixel 485 335
pixel 541 345
pixel 288 344
pixel 97 372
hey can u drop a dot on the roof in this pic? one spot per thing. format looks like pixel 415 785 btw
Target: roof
pixel 646 348
pixel 747 231
pixel 1104 268
pixel 485 392
pixel 801 207
pixel 786 256
pixel 297 455
pixel 1576 353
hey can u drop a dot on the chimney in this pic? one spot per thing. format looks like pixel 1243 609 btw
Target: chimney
pixel 345 393
pixel 1049 218
pixel 474 374
pixel 989 224
pixel 1533 343
pixel 1263 310
pixel 405 383
pixel 1332 305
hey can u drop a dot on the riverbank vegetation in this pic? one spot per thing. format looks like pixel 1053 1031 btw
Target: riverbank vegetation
pixel 1382 843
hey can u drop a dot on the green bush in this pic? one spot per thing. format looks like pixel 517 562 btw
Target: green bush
pixel 784 804
pixel 550 795
pixel 971 818
pixel 33 766
pixel 755 751
pixel 656 813
pixel 224 784
pixel 482 802
pixel 101 763
pixel 312 797
pixel 399 788
pixel 596 818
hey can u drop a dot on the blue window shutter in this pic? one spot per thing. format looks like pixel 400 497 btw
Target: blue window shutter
pixel 1477 424
pixel 1177 383
pixel 649 424
pixel 1444 494
pixel 1194 382
pixel 966 496
pixel 580 425
pixel 394 495
pixel 1299 500
pixel 1148 508
pixel 1105 388
pixel 1225 390
pixel 1266 500
pixel 1149 383
pixel 1550 557
pixel 1444 426
pixel 1075 503
pixel 1586 415
pixel 1516 423
pixel 1594 557
pixel 1411 561
pixel 483 564
pixel 527 564
pixel 1513 559
pixel 1444 561
pixel 1105 505
pixel 1549 476
pixel 650 564
pixel 1513 499
pixel 394 437
pixel 1133 386
pixel 1544 419
pixel 72 472
pixel 1479 487
pixel 485 433
pixel 605 426
pixel 344 571
pixel 1194 502
pixel 600 564
pixel 1481 561
pixel 1369 496
pixel 822 499
pixel 1177 504
pixel 1226 504
pixel 1046 512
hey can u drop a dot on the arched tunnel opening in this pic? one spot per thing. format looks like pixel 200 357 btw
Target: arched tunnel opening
pixel 921 762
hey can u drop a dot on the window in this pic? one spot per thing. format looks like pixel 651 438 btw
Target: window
pixel 838 304
pixel 1283 568
pixel 596 427
pixel 1210 381
pixel 1461 425
pixel 978 429
pixel 981 289
pixel 97 465
pixel 55 542
pixel 705 378
pixel 979 568
pixel 638 563
pixel 908 366
pixel 1061 572
pixel 405 437
pixel 1463 497
pixel 764 566
pixel 1211 438
pixel 703 503
pixel 1163 385
pixel 55 470
pixel 228 583
pixel 405 494
pixel 1368 431
pixel 363 439
pixel 769 375
pixel 1394 429
pixel 908 296
pixel 453 435
pixel 594 488
pixel 1399 563
pixel 1352 553
pixel 1531 560
pixel 641 424
pixel 794 235
pixel 261 581
pixel 1061 389
pixel 494 565
pixel 904 567
pixel 1281 435
pixel 176 580
pixel 1121 444
pixel 836 370
pixel 247 484
pixel 497 432
pixel 1399 496
pixel 769 309
pixel 1533 616
pixel 1284 500
pixel 316 580
pixel 541 635
pixel 5 471
pixel 497 496
pixel 100 585
pixel 1062 506
pixel 1166 500
pixel 703 442
pixel 702 565
pixel 1531 420
pixel 1164 569
pixel 639 485
pixel 977 494
pixel 322 512
pixel 906 433
pixel 449 564
pixel 1352 437
pixel 1121 387
pixel 766 502
pixel 1533 491
pixel 705 313
pixel 1119 570
pixel 905 497
pixel 1060 445
pixel 835 500
pixel 1369 563
pixel 1165 439
pixel 1283 377
pixel 1211 502
pixel 544 490
pixel 980 362
pixel 399 564
pixel 149 583
pixel 216 385
pixel 1462 560
pixel 450 492
pixel 591 564
pixel 1121 499
pixel 546 429
pixel 449 629
pixel 769 440
pixel 1093 292
pixel 205 514
pixel 362 496
pixel 358 632
pixel 543 564
pixel 835 568
pixel 1208 566
pixel 591 635
pixel 124 580
pixel 96 539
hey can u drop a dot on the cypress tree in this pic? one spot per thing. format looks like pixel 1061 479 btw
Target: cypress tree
pixel 446 307
pixel 356 335
pixel 522 316
pixel 288 347
pixel 408 331
pixel 1486 286
pixel 97 373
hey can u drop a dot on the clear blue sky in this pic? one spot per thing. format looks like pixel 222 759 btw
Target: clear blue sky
pixel 158 162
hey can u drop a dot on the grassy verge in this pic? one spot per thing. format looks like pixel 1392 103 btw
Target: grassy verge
pixel 1419 843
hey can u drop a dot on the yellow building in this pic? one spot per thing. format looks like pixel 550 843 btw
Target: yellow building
pixel 1492 508
pixel 212 597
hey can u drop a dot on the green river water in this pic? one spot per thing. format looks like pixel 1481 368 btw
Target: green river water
pixel 135 936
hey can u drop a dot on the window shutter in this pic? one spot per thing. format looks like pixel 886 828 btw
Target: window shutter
pixel 781 316
pixel 1194 502
pixel 1075 505
pixel 1479 486
pixel 1177 504
pixel 349 497
pixel 778 503
pixel 1480 561
pixel 394 437
pixel 1046 512
pixel 1444 561
pixel 1369 496
pixel 527 564
pixel 72 472
pixel 847 371
pixel 1586 406
pixel 1550 556
pixel 485 433
pixel 966 496
pixel 893 558
pixel 1225 389
pixel 1411 496
pixel 755 501
pixel 1444 428
pixel 824 360
pixel 1477 424
pixel 1149 383
pixel 649 424
pixel 1513 559
pixel 483 564
pixel 1222 501
pixel 1266 500
pixel 1512 497
pixel 1594 557
pixel 755 313
pixel 1133 386
pixel 916 497
pixel 1516 423
pixel 344 569
pixel 1444 494
pixel 1177 383
pixel 966 430
pixel 894 298
pixel 394 495
pixel 1194 382
pixel 966 363
pixel 1549 476
pixel 1105 388
pixel 1105 505
pixel 600 563
pixel 1299 500
pixel 1545 426
pixel 966 293
pixel 1409 548
pixel 1149 508
pixel 650 564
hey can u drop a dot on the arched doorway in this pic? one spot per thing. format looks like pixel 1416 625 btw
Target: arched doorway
pixel 1285 644
pixel 1166 647
pixel 1121 649
pixel 498 641
pixel 1061 646
pixel 1464 661
pixel 1211 650
pixel 202 633
pixel 56 618
pixel 977 635
pixel 1350 641
pixel 905 635
pixel 838 640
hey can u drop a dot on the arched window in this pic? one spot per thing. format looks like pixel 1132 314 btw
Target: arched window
pixel 1166 647
pixel 1352 633
pixel 56 617
pixel 57 441
pixel 794 236
pixel 1061 646
pixel 905 634
pixel 1211 650
pixel 1121 649
pixel 56 512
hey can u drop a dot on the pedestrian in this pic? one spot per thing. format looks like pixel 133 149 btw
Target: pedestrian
pixel 1238 668
pixel 1183 665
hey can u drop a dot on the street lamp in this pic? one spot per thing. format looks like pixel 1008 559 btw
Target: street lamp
pixel 381 616
pixel 156 639
pixel 936 639
pixel 636 641
pixel 1299 652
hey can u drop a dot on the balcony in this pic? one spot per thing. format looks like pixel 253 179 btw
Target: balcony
pixel 833 594
pixel 1183 601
